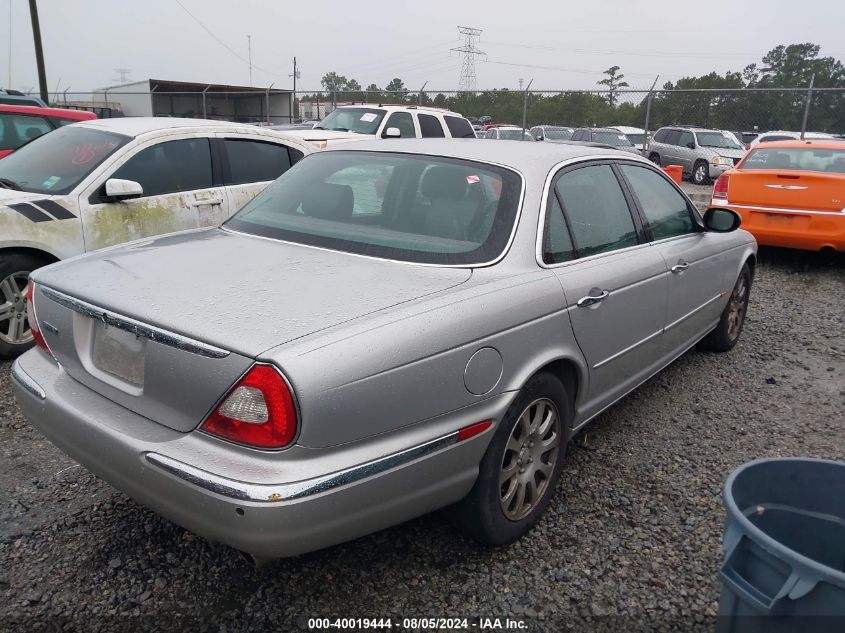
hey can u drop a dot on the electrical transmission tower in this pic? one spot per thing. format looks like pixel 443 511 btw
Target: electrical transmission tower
pixel 469 50
pixel 123 75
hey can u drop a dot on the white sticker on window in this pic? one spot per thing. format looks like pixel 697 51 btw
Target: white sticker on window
pixel 473 179
pixel 51 182
pixel 621 137
pixel 368 117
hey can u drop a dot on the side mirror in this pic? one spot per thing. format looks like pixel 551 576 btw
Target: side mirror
pixel 392 132
pixel 118 189
pixel 721 220
pixel 691 145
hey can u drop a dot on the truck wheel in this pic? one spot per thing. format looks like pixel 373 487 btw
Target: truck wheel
pixel 15 336
pixel 519 472
pixel 700 173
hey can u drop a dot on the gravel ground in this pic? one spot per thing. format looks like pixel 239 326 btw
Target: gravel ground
pixel 631 541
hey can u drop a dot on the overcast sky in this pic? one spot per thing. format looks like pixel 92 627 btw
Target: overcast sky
pixel 560 44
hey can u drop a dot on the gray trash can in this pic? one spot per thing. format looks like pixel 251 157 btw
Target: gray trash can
pixel 784 546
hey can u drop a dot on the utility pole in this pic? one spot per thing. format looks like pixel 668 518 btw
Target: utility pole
pixel 648 110
pixel 9 85
pixel 293 101
pixel 807 106
pixel 525 107
pixel 39 52
pixel 249 49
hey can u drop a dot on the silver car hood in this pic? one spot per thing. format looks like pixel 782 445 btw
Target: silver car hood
pixel 239 292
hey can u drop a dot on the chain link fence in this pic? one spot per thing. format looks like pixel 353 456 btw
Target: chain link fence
pixel 739 110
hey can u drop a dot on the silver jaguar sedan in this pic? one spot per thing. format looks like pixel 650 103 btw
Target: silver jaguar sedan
pixel 387 329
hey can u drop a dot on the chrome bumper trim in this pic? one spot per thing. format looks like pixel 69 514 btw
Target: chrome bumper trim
pixel 275 493
pixel 27 382
pixel 137 328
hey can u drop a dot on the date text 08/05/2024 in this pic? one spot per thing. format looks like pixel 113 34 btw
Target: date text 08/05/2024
pixel 355 624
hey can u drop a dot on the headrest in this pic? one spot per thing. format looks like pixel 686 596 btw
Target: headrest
pixel 444 182
pixel 329 202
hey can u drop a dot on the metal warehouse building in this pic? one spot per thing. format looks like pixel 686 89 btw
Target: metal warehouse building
pixel 156 97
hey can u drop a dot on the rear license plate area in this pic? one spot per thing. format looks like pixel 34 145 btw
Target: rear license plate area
pixel 119 353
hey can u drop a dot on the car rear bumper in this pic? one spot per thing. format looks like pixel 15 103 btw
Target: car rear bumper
pixel 718 170
pixel 792 228
pixel 272 515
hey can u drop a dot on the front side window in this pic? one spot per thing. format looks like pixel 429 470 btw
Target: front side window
pixel 55 163
pixel 359 120
pixel 597 210
pixel 558 133
pixel 17 129
pixel 406 207
pixel 430 127
pixel 404 122
pixel 664 208
pixel 636 139
pixel 171 167
pixel 255 161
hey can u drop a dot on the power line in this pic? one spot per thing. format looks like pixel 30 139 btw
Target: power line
pixel 620 52
pixel 581 71
pixel 224 44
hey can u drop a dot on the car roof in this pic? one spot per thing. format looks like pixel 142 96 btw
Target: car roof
pixel 627 129
pixel 399 106
pixel 135 126
pixel 820 143
pixel 522 156
pixel 600 129
pixel 60 113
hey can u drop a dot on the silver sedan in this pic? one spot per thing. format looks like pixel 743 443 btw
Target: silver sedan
pixel 387 329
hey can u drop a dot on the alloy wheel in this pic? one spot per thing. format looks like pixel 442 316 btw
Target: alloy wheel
pixel 700 175
pixel 14 327
pixel 529 460
pixel 737 307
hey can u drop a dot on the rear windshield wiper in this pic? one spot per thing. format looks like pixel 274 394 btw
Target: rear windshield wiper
pixel 9 184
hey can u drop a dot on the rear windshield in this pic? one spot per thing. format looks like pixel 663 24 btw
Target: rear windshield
pixel 407 207
pixel 798 159
pixel 513 135
pixel 57 162
pixel 636 139
pixel 611 138
pixel 558 134
pixel 360 120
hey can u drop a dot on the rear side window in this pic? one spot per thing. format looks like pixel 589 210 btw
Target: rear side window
pixel 430 126
pixel 255 161
pixel 557 244
pixel 597 210
pixel 660 136
pixel 404 121
pixel 17 129
pixel 458 127
pixel 171 167
pixel 664 208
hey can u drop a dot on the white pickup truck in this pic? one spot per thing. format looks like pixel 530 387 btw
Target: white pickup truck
pixel 95 184
pixel 358 122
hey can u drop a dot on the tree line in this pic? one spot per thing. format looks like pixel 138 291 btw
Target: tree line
pixel 753 97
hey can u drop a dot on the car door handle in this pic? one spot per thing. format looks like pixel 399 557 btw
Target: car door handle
pixel 200 202
pixel 680 267
pixel 589 300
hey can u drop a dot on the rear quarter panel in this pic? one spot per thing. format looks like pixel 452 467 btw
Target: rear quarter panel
pixel 406 365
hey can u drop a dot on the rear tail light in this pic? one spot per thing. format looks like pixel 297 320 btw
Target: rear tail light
pixel 258 411
pixel 720 189
pixel 32 319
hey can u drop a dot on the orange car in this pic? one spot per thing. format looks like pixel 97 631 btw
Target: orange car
pixel 789 193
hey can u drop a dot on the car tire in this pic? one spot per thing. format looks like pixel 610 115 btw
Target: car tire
pixel 700 173
pixel 726 334
pixel 654 157
pixel 14 276
pixel 531 454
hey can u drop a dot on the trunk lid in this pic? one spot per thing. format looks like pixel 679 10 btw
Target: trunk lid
pixel 237 293
pixel 813 191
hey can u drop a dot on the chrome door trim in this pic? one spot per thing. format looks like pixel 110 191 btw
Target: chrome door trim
pixel 629 348
pixel 693 311
pixel 281 492
pixel 156 334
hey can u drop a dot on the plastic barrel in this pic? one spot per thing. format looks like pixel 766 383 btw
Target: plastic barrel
pixel 676 172
pixel 784 547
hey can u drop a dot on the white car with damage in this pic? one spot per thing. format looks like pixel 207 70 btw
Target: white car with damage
pixel 104 182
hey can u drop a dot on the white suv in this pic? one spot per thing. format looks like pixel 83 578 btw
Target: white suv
pixel 103 182
pixel 359 122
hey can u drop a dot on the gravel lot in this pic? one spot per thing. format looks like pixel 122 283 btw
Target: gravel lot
pixel 632 539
